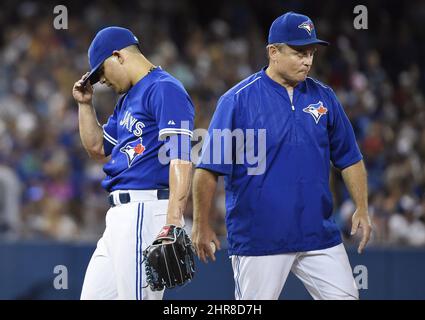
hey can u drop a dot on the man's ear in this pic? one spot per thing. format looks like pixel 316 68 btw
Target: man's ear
pixel 272 50
pixel 118 55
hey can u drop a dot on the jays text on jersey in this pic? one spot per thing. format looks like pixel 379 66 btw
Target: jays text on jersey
pixel 288 208
pixel 156 107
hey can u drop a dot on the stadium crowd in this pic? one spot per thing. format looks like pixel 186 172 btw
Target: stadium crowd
pixel 377 73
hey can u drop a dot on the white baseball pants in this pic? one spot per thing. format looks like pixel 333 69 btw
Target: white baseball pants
pixel 326 274
pixel 116 269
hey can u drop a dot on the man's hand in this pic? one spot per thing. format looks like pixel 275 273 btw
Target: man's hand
pixel 82 94
pixel 361 220
pixel 202 236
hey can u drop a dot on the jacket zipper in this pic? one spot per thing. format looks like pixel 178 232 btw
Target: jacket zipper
pixel 293 110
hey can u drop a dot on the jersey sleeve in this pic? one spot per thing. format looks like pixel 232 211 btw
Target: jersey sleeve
pixel 344 150
pixel 217 153
pixel 110 139
pixel 173 110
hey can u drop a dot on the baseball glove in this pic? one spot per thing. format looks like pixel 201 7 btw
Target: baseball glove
pixel 169 261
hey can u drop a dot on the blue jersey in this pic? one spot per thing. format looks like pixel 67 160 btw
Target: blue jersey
pixel 155 108
pixel 288 208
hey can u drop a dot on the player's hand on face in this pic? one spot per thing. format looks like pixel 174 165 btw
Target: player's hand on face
pixel 202 236
pixel 361 220
pixel 82 94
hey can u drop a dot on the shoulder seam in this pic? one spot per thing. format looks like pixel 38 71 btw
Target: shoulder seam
pixel 319 83
pixel 247 85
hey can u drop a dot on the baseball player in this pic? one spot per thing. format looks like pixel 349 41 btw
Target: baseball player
pixel 281 220
pixel 146 194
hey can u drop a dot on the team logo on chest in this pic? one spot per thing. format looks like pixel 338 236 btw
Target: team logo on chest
pixel 133 150
pixel 316 110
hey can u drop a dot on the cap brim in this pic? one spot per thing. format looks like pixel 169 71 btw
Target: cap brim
pixel 93 76
pixel 307 42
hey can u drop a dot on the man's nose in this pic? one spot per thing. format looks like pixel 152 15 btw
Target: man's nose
pixel 308 61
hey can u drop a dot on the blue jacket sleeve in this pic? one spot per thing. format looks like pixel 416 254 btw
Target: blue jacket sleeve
pixel 344 149
pixel 217 152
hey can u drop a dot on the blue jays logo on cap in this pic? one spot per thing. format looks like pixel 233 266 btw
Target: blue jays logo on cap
pixel 316 110
pixel 307 26
pixel 133 150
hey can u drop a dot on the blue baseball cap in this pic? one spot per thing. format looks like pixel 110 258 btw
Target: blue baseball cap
pixel 295 30
pixel 104 44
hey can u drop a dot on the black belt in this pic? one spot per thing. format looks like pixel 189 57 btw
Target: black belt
pixel 162 194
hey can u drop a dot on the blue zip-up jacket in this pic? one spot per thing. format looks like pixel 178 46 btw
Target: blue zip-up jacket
pixel 281 202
